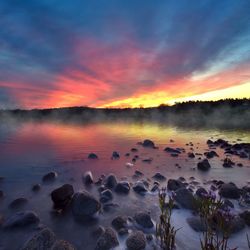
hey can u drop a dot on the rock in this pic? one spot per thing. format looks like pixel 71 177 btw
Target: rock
pixel 136 241
pixel 148 143
pixel 17 203
pixel 227 204
pixel 84 205
pixel 43 240
pixel 204 165
pixel 119 222
pixel 230 191
pixel 98 232
pixel 191 155
pixel 172 150
pixel 246 217
pixel 159 177
pixel 110 181
pixel 139 187
pixel 237 224
pixel 174 184
pixel 62 245
pixel 155 188
pixel 107 241
pixel 1 194
pixel 185 198
pixel 200 192
pixel 134 150
pixel 211 154
pixel 122 187
pixel 115 155
pixel 197 224
pixel 123 231
pixel 138 173
pixel 143 219
pixel 106 195
pixel 110 207
pixel 92 156
pixel 228 163
pixel 88 178
pixel 21 219
pixel 36 187
pixel 62 195
pixel 51 176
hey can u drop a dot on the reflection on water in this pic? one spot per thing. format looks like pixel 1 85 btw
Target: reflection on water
pixel 29 150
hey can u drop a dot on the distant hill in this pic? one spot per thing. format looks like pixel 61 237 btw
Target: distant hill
pixel 223 113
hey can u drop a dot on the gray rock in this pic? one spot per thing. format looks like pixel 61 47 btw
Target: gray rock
pixel 43 240
pixel 119 222
pixel 107 241
pixel 204 165
pixel 122 187
pixel 230 191
pixel 185 198
pixel 110 181
pixel 84 205
pixel 139 187
pixel 51 176
pixel 62 245
pixel 88 178
pixel 159 177
pixel 62 195
pixel 143 219
pixel 197 224
pixel 21 219
pixel 136 241
pixel 174 184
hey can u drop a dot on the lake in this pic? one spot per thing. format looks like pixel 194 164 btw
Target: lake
pixel 29 150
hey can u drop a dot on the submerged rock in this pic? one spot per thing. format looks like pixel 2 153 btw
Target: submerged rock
pixel 204 165
pixel 92 156
pixel 18 203
pixel 143 219
pixel 185 198
pixel 84 205
pixel 62 195
pixel 108 240
pixel 122 187
pixel 51 176
pixel 110 181
pixel 230 191
pixel 21 219
pixel 43 240
pixel 88 178
pixel 136 241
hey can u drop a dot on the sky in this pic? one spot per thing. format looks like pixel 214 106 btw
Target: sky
pixel 122 53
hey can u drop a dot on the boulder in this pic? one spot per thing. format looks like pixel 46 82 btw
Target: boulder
pixel 21 219
pixel 122 187
pixel 62 195
pixel 84 205
pixel 108 240
pixel 185 198
pixel 230 191
pixel 174 184
pixel 204 165
pixel 51 176
pixel 43 240
pixel 143 219
pixel 87 178
pixel 110 181
pixel 136 241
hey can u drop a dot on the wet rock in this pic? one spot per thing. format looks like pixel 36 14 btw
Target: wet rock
pixel 191 155
pixel 155 188
pixel 230 191
pixel 211 154
pixel 84 205
pixel 36 187
pixel 246 217
pixel 204 165
pixel 228 163
pixel 88 178
pixel 172 150
pixel 115 155
pixel 62 245
pixel 200 192
pixel 106 196
pixel 138 173
pixel 122 187
pixel 21 219
pixel 185 198
pixel 51 176
pixel 159 177
pixel 96 233
pixel 136 241
pixel 18 203
pixel 227 204
pixel 43 240
pixel 139 187
pixel 197 224
pixel 148 160
pixel 174 184
pixel 119 222
pixel 148 143
pixel 134 150
pixel 92 156
pixel 107 241
pixel 143 219
pixel 62 195
pixel 110 181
